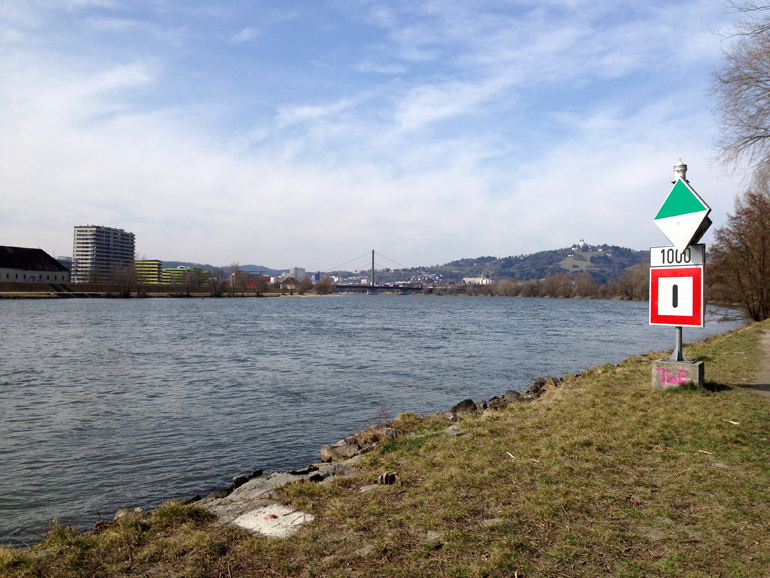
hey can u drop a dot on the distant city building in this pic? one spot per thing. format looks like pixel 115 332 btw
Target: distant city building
pixel 98 251
pixel 30 266
pixel 297 272
pixel 477 281
pixel 148 271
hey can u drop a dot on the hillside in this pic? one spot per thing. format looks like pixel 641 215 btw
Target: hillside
pixel 248 268
pixel 603 262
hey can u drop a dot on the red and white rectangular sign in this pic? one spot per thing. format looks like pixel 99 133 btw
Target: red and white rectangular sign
pixel 676 296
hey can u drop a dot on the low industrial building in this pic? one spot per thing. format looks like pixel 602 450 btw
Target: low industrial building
pixel 477 281
pixel 23 265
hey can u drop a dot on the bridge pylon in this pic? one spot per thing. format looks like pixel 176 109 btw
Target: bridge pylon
pixel 372 287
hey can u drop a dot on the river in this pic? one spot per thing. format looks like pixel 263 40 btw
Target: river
pixel 112 403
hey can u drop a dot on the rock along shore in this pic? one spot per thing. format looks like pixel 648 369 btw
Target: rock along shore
pixel 250 502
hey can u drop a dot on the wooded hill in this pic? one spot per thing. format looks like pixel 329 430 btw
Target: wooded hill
pixel 603 262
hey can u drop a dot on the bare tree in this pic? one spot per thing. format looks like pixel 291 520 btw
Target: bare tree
pixel 325 286
pixel 634 284
pixel 741 89
pixel 585 286
pixel 217 282
pixel 754 17
pixel 234 277
pixel 305 285
pixel 740 269
pixel 261 284
pixel 193 280
pixel 125 278
pixel 530 289
pixel 507 288
pixel 566 287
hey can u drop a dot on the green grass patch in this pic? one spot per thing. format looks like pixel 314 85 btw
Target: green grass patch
pixel 600 477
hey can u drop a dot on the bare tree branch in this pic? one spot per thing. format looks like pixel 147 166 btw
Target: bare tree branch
pixel 741 89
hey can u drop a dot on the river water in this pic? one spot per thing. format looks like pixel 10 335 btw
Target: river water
pixel 125 403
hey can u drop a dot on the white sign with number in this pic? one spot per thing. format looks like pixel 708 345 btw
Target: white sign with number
pixel 672 257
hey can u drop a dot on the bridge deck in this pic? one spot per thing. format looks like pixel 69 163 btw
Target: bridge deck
pixel 381 287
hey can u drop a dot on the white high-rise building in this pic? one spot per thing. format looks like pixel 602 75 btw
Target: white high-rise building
pixel 97 251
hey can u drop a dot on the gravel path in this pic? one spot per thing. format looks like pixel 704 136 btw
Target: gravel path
pixel 762 379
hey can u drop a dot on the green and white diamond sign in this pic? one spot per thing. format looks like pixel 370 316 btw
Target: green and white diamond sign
pixel 683 218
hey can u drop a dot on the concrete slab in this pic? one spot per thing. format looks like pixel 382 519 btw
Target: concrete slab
pixel 273 521
pixel 667 373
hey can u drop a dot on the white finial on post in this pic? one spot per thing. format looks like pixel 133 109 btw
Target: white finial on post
pixel 680 171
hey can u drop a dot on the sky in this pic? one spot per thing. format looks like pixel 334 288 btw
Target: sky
pixel 307 133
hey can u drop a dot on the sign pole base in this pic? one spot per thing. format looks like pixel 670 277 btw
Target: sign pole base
pixel 678 353
pixel 667 373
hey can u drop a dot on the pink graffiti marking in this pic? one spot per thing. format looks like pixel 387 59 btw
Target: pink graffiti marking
pixel 668 377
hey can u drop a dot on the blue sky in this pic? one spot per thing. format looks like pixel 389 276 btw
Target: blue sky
pixel 305 133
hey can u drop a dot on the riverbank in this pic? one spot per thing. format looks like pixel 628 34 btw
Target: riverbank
pixel 601 476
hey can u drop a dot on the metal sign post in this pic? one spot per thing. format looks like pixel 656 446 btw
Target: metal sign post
pixel 677 277
pixel 678 353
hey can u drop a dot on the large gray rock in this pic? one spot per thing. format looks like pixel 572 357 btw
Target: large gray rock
pixel 125 515
pixel 511 395
pixel 341 451
pixel 496 403
pixel 539 386
pixel 356 445
pixel 464 407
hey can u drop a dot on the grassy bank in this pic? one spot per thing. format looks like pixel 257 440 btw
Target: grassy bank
pixel 600 477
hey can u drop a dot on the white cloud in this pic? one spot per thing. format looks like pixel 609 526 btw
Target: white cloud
pixel 11 36
pixel 290 115
pixel 113 24
pixel 425 104
pixel 246 35
pixel 381 68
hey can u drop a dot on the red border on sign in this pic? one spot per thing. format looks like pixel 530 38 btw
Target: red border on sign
pixel 698 306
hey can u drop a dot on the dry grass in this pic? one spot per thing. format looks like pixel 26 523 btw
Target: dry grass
pixel 601 477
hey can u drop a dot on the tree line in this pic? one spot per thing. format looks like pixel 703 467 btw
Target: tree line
pixel 634 285
pixel 740 268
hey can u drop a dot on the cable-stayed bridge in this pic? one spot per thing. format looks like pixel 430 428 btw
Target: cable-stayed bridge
pixel 371 287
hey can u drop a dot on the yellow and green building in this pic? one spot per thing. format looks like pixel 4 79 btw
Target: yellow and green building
pixel 148 272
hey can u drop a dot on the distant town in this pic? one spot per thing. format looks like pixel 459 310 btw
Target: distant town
pixel 106 255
